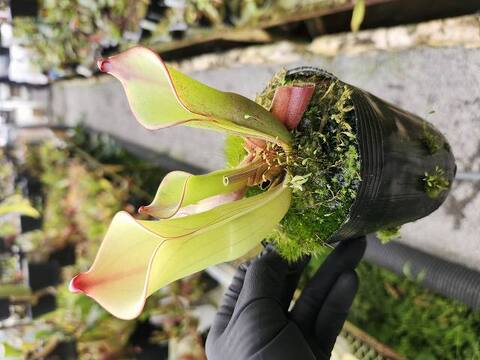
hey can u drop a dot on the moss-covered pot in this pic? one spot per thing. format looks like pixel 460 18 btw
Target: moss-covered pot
pixel 406 165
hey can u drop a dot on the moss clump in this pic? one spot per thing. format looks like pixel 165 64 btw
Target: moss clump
pixel 432 141
pixel 385 235
pixel 265 98
pixel 324 167
pixel 412 320
pixel 435 182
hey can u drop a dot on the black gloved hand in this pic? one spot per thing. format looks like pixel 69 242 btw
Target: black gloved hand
pixel 254 323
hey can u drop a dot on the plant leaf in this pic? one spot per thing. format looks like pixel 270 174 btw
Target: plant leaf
pixel 137 258
pixel 179 189
pixel 161 96
pixel 234 150
pixel 18 204
pixel 358 15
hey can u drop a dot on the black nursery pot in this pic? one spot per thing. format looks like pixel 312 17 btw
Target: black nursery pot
pixel 65 256
pixel 4 247
pixel 24 8
pixel 43 274
pixel 4 309
pixel 28 223
pixel 394 157
pixel 65 350
pixel 45 304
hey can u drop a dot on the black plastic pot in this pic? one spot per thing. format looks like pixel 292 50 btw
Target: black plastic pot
pixel 4 247
pixel 64 256
pixel 65 350
pixel 144 349
pixel 45 304
pixel 43 274
pixel 394 158
pixel 207 282
pixel 34 187
pixel 4 62
pixel 4 309
pixel 24 8
pixel 30 224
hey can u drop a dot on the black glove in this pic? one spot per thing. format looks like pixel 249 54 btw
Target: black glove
pixel 254 322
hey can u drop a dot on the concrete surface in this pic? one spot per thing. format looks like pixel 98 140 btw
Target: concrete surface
pixel 419 76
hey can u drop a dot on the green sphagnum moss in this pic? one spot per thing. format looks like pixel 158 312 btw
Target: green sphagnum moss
pixel 431 141
pixel 435 182
pixel 386 235
pixel 324 167
pixel 417 323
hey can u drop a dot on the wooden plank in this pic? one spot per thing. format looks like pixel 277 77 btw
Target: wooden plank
pixel 379 347
pixel 258 34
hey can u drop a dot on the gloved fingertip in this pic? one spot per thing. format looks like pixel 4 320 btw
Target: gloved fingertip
pixel 348 253
pixel 297 266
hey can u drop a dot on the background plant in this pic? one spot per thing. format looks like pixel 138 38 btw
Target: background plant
pixel 414 321
pixel 86 179
pixel 70 33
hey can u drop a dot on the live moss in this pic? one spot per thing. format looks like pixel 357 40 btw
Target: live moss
pixel 415 322
pixel 324 167
pixel 431 141
pixel 435 182
pixel 386 235
pixel 266 96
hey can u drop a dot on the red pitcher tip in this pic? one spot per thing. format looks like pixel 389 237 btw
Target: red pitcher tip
pixel 75 285
pixel 142 210
pixel 290 102
pixel 104 65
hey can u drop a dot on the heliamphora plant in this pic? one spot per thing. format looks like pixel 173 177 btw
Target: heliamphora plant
pixel 200 219
pixel 312 160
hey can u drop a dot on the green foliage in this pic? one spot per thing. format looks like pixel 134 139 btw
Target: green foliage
pixel 265 98
pixel 80 198
pixel 71 32
pixel 18 204
pixel 102 151
pixel 385 235
pixel 435 182
pixel 431 140
pixel 324 167
pixel 414 321
pixel 234 150
pixel 358 15
pixel 6 175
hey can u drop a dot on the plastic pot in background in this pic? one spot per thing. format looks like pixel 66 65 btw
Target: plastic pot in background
pixel 24 8
pixel 65 256
pixel 45 304
pixel 394 157
pixel 30 224
pixel 4 245
pixel 31 186
pixel 4 309
pixel 4 63
pixel 65 350
pixel 144 349
pixel 155 13
pixel 43 274
pixel 34 188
